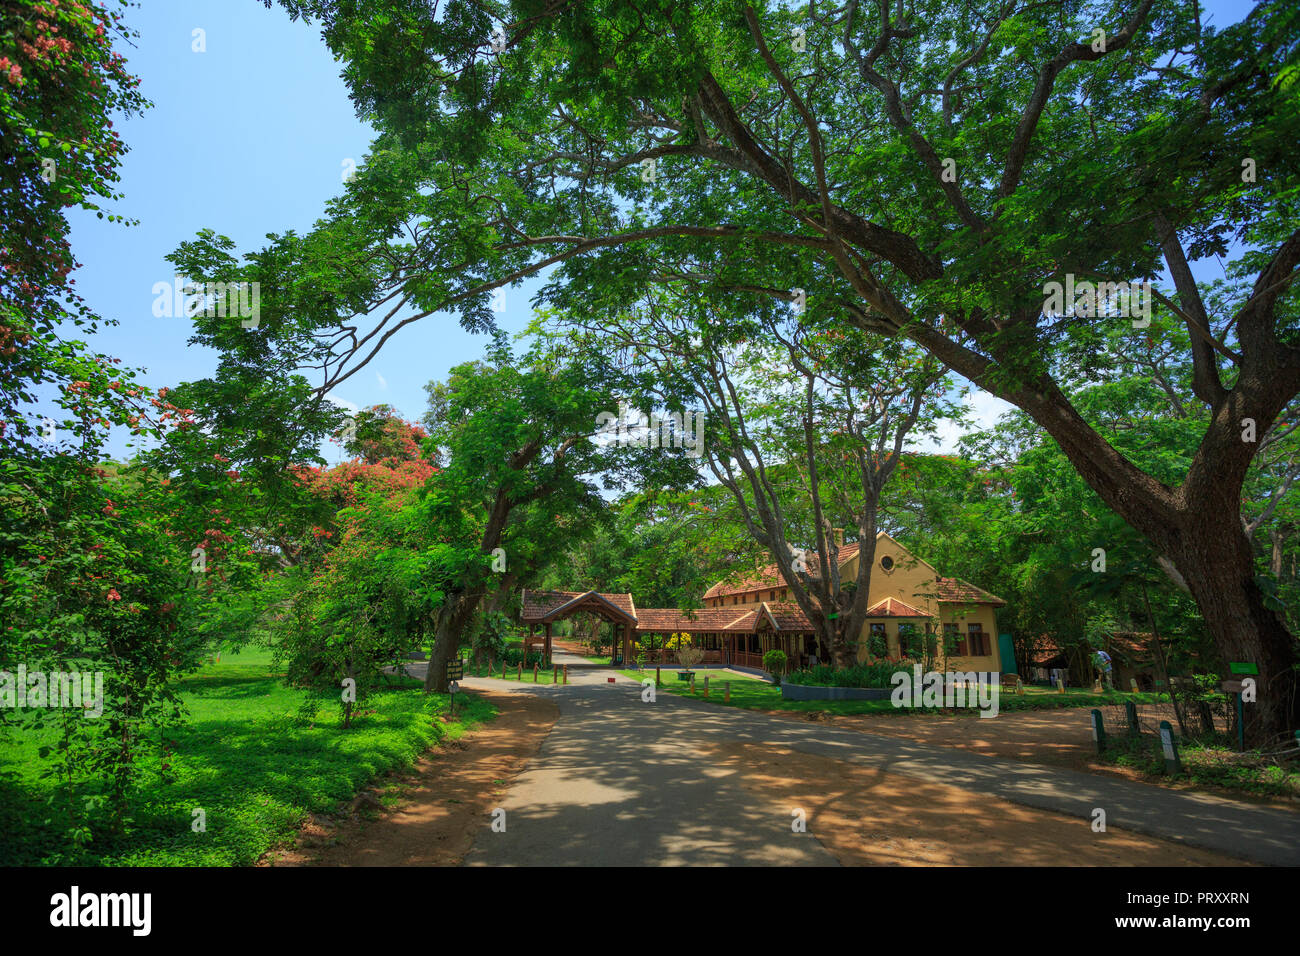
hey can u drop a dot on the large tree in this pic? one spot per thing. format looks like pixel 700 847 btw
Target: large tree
pixel 802 426
pixel 921 171
pixel 522 462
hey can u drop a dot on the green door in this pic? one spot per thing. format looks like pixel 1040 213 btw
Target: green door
pixel 1007 654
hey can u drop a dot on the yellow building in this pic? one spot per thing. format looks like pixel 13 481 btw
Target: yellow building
pixel 909 601
pixel 910 604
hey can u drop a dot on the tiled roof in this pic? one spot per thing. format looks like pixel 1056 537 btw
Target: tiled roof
pixel 1133 647
pixel 948 590
pixel 769 576
pixel 785 616
pixel 745 624
pixel 541 605
pixel 957 591
pixel 788 615
pixel 669 620
pixel 892 607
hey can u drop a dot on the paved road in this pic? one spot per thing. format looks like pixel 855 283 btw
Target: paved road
pixel 621 782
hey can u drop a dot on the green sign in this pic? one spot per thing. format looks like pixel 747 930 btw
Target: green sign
pixel 1243 667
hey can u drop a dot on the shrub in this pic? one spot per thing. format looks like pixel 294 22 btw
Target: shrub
pixel 688 656
pixel 774 662
pixel 870 674
pixel 514 653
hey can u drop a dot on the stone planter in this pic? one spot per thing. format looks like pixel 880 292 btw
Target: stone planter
pixel 815 692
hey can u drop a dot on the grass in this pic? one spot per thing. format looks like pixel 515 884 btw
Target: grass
pixel 1207 765
pixel 512 673
pixel 245 758
pixel 754 694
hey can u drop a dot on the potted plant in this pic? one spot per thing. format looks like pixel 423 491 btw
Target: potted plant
pixel 687 657
pixel 774 662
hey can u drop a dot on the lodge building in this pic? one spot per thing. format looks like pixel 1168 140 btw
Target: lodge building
pixel 909 602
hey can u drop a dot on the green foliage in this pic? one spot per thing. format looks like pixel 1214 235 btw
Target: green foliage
pixel 775 663
pixel 91 582
pixel 1208 765
pixel 513 654
pixel 494 630
pixel 920 179
pixel 248 756
pixel 61 83
pixel 870 674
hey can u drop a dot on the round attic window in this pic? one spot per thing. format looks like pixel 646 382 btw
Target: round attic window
pixel 887 563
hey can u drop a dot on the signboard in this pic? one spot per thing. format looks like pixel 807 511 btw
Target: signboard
pixel 1167 741
pixel 1243 667
pixel 456 670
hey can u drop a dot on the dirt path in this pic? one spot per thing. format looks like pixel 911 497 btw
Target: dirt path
pixel 440 805
pixel 617 780
pixel 869 817
pixel 1057 738
pixel 1060 738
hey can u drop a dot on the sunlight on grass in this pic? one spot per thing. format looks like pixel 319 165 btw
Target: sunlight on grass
pixel 245 758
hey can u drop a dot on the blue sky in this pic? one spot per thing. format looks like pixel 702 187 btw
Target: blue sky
pixel 251 137
pixel 248 137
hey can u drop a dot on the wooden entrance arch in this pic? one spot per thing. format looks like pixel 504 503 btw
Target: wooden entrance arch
pixel 545 607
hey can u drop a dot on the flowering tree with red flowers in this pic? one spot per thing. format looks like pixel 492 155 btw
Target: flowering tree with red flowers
pixel 360 591
pixel 89 579
pixel 61 84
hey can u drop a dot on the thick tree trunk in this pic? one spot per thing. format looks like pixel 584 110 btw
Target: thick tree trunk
pixel 452 619
pixel 1216 560
pixel 1198 525
pixel 845 655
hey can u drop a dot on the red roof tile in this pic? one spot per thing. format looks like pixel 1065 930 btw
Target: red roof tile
pixel 788 615
pixel 541 605
pixel 769 576
pixel 957 591
pixel 892 607
pixel 669 620
pixel 948 590
pixel 745 623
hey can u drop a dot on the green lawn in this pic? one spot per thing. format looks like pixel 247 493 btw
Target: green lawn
pixel 1207 764
pixel 244 757
pixel 751 693
pixel 511 673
